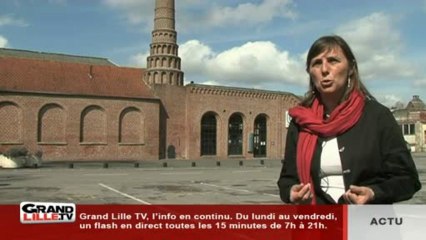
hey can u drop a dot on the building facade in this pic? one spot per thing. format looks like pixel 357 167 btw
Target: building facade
pixel 412 120
pixel 75 108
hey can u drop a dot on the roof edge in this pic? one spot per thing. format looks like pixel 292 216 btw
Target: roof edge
pixel 30 54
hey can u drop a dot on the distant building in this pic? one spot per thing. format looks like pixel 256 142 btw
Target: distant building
pixel 87 108
pixel 412 120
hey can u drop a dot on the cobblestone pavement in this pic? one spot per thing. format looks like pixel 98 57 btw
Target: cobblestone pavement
pixel 159 182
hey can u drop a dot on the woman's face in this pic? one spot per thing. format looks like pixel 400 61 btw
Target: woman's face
pixel 329 72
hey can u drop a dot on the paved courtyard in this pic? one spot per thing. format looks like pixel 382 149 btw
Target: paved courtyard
pixel 160 182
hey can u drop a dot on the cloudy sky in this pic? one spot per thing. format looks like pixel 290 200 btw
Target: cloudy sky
pixel 252 44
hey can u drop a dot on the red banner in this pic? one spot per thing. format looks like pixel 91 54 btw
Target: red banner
pixel 174 222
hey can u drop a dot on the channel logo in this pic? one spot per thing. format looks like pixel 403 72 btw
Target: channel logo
pixel 44 212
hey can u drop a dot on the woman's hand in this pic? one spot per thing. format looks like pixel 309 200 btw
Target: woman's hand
pixel 301 194
pixel 358 195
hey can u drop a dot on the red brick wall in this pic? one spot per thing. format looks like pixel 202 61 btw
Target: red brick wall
pixel 174 121
pixel 184 108
pixel 249 108
pixel 248 104
pixel 53 125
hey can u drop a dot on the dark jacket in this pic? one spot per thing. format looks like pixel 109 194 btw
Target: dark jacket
pixel 373 153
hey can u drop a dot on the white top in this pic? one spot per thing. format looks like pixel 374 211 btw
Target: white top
pixel 331 169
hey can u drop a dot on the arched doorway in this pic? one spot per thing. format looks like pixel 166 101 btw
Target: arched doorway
pixel 208 134
pixel 235 135
pixel 259 136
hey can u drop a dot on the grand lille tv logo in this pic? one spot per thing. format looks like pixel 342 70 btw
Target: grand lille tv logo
pixel 42 212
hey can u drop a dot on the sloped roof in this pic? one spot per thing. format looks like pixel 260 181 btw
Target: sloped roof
pixel 70 78
pixel 19 53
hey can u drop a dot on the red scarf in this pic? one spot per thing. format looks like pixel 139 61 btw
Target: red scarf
pixel 312 124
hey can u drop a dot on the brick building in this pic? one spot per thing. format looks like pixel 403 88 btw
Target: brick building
pixel 87 108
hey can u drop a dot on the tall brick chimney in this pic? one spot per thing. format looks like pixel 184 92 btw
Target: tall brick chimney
pixel 163 63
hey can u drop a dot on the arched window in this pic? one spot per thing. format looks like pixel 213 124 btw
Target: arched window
pixel 172 79
pixel 51 124
pixel 156 77
pixel 10 123
pixel 164 78
pixel 259 136
pixel 93 125
pixel 235 135
pixel 131 126
pixel 208 134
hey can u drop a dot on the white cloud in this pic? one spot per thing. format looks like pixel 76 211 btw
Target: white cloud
pixel 196 58
pixel 136 11
pixel 250 65
pixel 378 46
pixel 389 100
pixel 139 59
pixel 247 13
pixel 3 42
pixel 197 14
pixel 9 20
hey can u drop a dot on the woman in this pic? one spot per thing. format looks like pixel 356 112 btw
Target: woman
pixel 342 145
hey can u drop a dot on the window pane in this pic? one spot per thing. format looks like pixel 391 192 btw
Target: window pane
pixel 259 141
pixel 208 134
pixel 412 130
pixel 406 129
pixel 235 135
